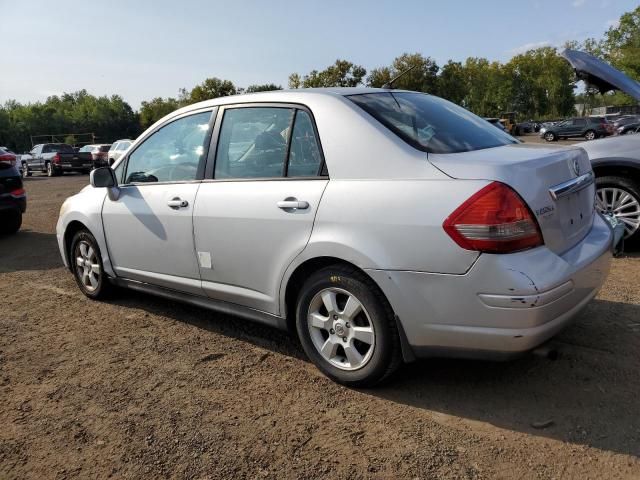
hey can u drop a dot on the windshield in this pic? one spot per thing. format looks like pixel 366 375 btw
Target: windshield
pixel 430 123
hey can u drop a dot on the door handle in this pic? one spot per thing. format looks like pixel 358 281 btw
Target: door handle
pixel 292 204
pixel 177 202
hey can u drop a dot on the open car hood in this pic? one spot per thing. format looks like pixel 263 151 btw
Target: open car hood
pixel 600 74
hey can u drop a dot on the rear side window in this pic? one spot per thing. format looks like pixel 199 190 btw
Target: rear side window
pixel 304 154
pixel 431 124
pixel 105 148
pixel 253 142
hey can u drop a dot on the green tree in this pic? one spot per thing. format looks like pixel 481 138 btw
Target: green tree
pixel 267 87
pixel 452 83
pixel 421 73
pixel 212 88
pixel 155 109
pixel 341 74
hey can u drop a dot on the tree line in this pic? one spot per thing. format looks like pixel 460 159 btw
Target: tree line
pixel 537 84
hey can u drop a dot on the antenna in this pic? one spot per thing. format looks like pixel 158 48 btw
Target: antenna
pixel 390 83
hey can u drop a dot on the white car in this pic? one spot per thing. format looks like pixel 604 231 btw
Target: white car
pixel 117 149
pixel 381 225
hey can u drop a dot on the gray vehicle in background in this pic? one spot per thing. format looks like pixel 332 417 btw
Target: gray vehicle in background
pixel 117 149
pixel 380 225
pixel 615 160
pixel 55 159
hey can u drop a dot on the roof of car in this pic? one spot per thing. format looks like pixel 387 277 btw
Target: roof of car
pixel 295 92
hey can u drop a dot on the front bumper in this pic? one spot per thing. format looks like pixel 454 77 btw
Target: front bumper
pixel 504 305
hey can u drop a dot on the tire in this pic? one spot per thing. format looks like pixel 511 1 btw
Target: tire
pixel 379 354
pixel 25 170
pixel 94 284
pixel 550 137
pixel 605 187
pixel 590 135
pixel 10 222
pixel 49 169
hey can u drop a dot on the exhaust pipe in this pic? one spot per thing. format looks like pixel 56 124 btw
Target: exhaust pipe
pixel 547 351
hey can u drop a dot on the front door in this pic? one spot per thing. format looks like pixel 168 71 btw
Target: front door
pixel 257 212
pixel 149 228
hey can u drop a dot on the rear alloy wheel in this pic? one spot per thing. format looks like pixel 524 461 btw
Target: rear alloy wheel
pixel 25 170
pixel 50 171
pixel 620 197
pixel 347 328
pixel 549 136
pixel 86 261
pixel 590 135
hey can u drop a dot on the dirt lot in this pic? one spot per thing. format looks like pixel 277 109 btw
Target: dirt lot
pixel 142 387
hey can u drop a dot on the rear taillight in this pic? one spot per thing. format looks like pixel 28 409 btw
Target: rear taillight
pixel 10 159
pixel 494 220
pixel 18 193
pixel 56 158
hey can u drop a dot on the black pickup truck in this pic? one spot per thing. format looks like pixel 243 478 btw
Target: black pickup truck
pixel 55 159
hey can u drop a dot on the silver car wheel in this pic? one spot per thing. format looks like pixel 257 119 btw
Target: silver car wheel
pixel 590 135
pixel 622 204
pixel 341 329
pixel 549 137
pixel 87 266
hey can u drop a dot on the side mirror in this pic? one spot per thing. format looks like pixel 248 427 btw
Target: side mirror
pixel 105 177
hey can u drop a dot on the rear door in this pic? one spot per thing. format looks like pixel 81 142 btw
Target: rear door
pixel 580 125
pixel 254 214
pixel 149 228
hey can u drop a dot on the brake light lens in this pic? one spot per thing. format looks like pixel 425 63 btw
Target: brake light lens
pixel 56 158
pixel 18 193
pixel 10 159
pixel 494 220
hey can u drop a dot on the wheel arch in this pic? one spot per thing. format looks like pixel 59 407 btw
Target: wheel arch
pixel 309 266
pixel 618 168
pixel 72 228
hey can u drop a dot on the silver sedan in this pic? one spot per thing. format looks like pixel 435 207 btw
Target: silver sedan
pixel 380 225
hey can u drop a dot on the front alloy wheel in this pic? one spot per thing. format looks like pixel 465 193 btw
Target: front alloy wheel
pixel 86 263
pixel 549 136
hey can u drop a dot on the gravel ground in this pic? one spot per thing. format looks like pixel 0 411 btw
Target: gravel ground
pixel 143 387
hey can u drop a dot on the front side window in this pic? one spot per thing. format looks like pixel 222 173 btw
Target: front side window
pixel 123 146
pixel 171 154
pixel 86 148
pixel 253 142
pixel 304 155
pixel 431 124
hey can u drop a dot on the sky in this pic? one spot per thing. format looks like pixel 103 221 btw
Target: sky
pixel 145 49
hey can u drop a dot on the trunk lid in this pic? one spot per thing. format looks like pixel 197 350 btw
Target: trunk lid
pixel 600 74
pixel 532 171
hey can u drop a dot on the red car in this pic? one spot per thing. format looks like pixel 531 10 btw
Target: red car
pixel 99 154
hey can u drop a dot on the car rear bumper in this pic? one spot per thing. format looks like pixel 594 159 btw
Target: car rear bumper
pixel 504 305
pixel 8 203
pixel 73 167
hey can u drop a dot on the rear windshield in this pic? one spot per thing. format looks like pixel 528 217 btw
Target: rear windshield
pixel 430 123
pixel 58 148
